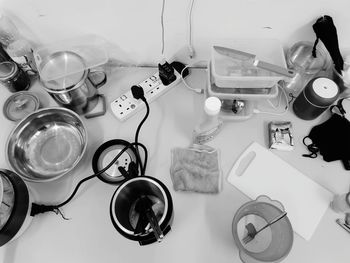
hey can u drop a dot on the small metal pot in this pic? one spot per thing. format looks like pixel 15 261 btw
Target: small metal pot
pixel 76 91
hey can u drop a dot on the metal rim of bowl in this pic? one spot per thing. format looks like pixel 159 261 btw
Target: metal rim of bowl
pixel 77 85
pixel 42 180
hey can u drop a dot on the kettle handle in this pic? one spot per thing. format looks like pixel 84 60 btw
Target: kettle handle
pixel 97 73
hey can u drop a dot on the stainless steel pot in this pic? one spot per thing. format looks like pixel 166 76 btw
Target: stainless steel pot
pixel 124 213
pixel 76 91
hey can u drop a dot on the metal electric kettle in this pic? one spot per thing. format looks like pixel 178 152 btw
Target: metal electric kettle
pixel 141 209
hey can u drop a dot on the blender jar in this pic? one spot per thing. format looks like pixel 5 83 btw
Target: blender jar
pixel 300 58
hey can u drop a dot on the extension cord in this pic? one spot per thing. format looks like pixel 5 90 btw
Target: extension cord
pixel 126 106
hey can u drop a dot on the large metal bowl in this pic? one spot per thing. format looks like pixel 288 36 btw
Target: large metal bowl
pixel 47 144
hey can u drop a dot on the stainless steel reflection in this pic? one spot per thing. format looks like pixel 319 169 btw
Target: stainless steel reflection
pixel 47 144
pixel 77 88
pixel 125 198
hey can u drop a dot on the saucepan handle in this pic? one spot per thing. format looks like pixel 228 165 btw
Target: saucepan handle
pixel 97 77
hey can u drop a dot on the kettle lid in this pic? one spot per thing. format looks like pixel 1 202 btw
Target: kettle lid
pixel 20 104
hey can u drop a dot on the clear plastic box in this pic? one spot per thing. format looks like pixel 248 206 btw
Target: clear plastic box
pixel 249 96
pixel 230 73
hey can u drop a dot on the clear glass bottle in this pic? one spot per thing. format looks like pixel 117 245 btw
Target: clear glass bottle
pixel 210 125
pixel 16 46
pixel 8 30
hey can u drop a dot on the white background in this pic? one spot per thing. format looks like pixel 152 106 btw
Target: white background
pixel 202 225
pixel 133 27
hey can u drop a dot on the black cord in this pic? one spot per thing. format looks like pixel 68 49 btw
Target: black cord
pixel 145 158
pixel 94 175
pixel 142 169
pixel 311 147
pixel 37 208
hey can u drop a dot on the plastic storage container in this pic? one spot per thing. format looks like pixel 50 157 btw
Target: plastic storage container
pixel 249 96
pixel 16 46
pixel 230 73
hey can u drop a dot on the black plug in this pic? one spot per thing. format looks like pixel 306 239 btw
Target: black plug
pixel 179 67
pixel 137 92
pixel 166 73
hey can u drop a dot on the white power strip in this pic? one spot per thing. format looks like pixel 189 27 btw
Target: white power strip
pixel 126 106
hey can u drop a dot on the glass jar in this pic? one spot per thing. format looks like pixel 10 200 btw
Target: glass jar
pixel 13 77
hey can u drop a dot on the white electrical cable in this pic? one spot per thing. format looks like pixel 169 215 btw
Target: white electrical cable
pixel 197 90
pixel 190 44
pixel 162 25
pixel 276 113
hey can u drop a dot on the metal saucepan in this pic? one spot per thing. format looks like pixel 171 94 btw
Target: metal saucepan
pixel 76 91
pixel 124 213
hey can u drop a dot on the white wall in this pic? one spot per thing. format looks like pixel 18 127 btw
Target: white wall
pixel 134 31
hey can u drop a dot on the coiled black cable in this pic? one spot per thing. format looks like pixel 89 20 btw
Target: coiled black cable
pixel 40 208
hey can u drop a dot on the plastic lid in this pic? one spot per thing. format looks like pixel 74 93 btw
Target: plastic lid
pixel 90 48
pixel 20 104
pixel 212 106
pixel 325 88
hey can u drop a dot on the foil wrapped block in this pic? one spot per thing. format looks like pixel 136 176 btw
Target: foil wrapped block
pixel 281 136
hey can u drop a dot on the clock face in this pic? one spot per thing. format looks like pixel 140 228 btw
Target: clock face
pixel 7 200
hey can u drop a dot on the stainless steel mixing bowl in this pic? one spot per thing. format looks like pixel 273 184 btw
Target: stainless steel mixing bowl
pixel 47 144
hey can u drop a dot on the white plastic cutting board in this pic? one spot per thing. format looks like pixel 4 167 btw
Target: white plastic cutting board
pixel 260 172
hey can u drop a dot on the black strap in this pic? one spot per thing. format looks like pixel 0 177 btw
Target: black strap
pixel 312 148
pixel 314 48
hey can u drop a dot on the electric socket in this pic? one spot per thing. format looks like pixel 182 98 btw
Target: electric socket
pixel 126 106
